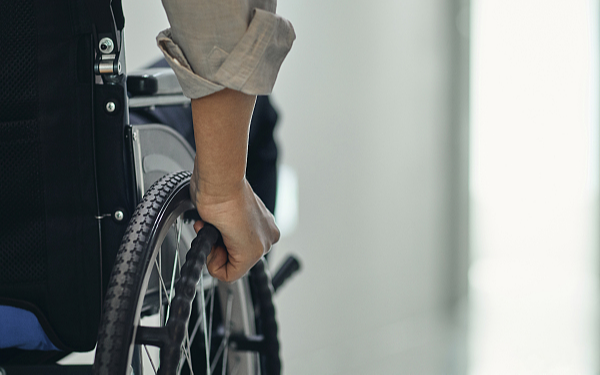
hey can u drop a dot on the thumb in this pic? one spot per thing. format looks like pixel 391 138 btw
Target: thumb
pixel 198 225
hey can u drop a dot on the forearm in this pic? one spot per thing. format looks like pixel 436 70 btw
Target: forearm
pixel 224 53
pixel 221 123
pixel 219 188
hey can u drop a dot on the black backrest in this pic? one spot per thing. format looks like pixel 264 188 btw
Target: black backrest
pixel 51 123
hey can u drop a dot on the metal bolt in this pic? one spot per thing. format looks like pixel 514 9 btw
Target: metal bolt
pixel 106 45
pixel 110 107
pixel 119 215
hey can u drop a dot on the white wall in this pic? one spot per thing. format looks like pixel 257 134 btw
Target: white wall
pixel 365 98
pixel 368 100
pixel 143 21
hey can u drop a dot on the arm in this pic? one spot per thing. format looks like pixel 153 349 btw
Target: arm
pixel 224 53
pixel 223 196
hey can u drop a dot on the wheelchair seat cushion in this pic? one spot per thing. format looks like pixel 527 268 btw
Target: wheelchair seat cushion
pixel 21 329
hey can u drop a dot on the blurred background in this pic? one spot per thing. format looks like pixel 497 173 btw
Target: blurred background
pixel 439 183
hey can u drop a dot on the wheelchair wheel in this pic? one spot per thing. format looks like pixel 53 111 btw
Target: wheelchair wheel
pixel 153 324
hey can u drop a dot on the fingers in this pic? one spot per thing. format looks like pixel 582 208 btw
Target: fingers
pixel 223 266
pixel 248 232
pixel 217 262
pixel 219 266
pixel 198 225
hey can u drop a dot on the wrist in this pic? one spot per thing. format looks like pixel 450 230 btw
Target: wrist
pixel 208 193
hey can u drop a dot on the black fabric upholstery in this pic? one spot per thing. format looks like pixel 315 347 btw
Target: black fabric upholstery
pixel 22 259
pixel 49 237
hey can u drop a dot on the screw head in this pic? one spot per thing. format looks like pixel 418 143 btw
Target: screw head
pixel 106 45
pixel 110 107
pixel 119 215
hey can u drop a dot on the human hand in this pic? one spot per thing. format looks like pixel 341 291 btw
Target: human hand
pixel 247 227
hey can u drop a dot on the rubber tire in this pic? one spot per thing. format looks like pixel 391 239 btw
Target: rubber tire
pixel 162 204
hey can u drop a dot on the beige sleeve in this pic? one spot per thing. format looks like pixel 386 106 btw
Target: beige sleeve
pixel 238 44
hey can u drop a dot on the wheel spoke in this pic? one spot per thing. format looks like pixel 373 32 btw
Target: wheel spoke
pixel 175 263
pixel 164 288
pixel 159 269
pixel 179 226
pixel 212 304
pixel 150 358
pixel 187 352
pixel 195 330
pixel 204 323
pixel 227 330
pixel 181 362
pixel 236 366
pixel 217 356
pixel 170 296
pixel 199 321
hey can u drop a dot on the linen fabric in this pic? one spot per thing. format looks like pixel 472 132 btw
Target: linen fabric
pixel 236 44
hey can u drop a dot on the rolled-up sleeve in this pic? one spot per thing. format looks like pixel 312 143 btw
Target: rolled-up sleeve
pixel 238 44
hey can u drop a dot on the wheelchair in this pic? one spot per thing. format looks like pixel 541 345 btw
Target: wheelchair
pixel 96 236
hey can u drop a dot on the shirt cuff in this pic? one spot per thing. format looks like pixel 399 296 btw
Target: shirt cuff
pixel 251 67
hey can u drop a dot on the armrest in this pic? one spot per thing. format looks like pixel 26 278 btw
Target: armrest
pixel 154 81
pixel 154 87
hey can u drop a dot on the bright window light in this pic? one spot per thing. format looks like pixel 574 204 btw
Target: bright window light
pixel 534 187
